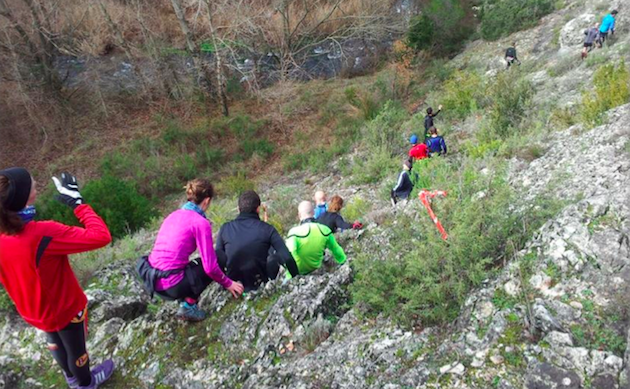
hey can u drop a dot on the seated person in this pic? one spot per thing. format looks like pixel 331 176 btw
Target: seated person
pixel 418 151
pixel 333 220
pixel 308 241
pixel 404 186
pixel 181 233
pixel 250 250
pixel 320 203
pixel 436 143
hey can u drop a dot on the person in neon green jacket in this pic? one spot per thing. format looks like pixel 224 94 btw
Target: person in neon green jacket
pixel 308 241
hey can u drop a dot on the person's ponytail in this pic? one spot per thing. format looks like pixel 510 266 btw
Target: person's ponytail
pixel 10 222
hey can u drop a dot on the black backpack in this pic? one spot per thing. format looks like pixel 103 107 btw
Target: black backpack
pixel 511 52
pixel 149 275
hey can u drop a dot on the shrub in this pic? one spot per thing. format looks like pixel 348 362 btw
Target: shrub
pixel 443 26
pixel 383 133
pixel 421 31
pixel 502 17
pixel 611 89
pixel 378 165
pixel 355 209
pixel 123 209
pixel 511 97
pixel 262 147
pixel 462 93
pixel 425 279
pixel 235 184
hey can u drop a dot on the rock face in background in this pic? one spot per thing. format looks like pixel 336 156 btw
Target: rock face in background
pixel 572 34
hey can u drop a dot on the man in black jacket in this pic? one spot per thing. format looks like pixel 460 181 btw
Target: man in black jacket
pixel 250 250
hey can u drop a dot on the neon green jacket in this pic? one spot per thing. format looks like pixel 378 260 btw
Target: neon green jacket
pixel 307 243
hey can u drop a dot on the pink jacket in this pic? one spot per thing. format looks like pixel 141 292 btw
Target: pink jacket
pixel 181 233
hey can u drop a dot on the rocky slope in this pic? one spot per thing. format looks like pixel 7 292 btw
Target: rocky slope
pixel 555 317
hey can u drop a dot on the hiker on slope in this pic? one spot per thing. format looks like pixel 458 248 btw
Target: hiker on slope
pixel 249 249
pixel 418 151
pixel 308 241
pixel 181 233
pixel 510 55
pixel 36 272
pixel 320 203
pixel 607 25
pixel 404 185
pixel 428 120
pixel 436 143
pixel 333 220
pixel 590 38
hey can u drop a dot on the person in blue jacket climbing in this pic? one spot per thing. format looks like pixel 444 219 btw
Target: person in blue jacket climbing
pixel 608 25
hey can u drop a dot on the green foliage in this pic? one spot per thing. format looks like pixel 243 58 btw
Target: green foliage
pixel 235 184
pixel 511 96
pixel 596 331
pixel 502 17
pixel 6 305
pixel 611 89
pixel 428 279
pixel 563 65
pixel 118 202
pixel 462 93
pixel 377 166
pixel 443 26
pixel 383 133
pixel 355 209
pixel 421 31
pixel 262 147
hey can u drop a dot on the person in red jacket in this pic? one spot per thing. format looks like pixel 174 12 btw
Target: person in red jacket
pixel 36 273
pixel 418 151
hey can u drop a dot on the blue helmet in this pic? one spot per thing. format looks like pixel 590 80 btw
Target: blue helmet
pixel 413 139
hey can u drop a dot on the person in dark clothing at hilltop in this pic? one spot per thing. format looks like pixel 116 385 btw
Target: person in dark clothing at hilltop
pixel 428 120
pixel 404 185
pixel 510 55
pixel 333 220
pixel 436 143
pixel 249 249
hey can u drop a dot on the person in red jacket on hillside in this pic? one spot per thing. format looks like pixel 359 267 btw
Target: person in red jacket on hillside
pixel 36 272
pixel 418 151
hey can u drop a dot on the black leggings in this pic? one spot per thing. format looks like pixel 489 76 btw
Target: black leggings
pixel 195 281
pixel 67 346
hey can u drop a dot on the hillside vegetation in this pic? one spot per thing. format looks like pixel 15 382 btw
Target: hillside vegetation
pixel 527 290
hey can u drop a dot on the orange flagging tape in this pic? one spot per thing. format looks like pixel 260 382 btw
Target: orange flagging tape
pixel 424 196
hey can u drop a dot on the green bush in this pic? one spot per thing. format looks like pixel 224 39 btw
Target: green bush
pixel 502 17
pixel 235 185
pixel 443 26
pixel 425 280
pixel 383 133
pixel 355 209
pixel 462 94
pixel 611 89
pixel 378 165
pixel 511 96
pixel 421 32
pixel 123 209
pixel 262 147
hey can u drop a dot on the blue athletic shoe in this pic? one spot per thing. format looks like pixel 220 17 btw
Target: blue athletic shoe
pixel 190 312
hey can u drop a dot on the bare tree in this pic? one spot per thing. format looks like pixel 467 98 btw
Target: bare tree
pixel 220 75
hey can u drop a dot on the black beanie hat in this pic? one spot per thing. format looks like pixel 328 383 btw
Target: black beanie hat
pixel 20 183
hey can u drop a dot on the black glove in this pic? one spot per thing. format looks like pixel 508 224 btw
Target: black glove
pixel 68 190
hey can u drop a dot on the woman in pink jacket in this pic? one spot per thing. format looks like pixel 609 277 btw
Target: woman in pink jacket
pixel 181 233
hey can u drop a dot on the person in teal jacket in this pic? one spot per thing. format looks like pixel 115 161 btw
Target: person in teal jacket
pixel 608 25
pixel 308 241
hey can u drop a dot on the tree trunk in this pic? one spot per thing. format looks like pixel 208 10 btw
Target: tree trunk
pixel 221 87
pixel 190 41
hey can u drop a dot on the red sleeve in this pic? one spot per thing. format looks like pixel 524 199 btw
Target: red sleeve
pixel 71 240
